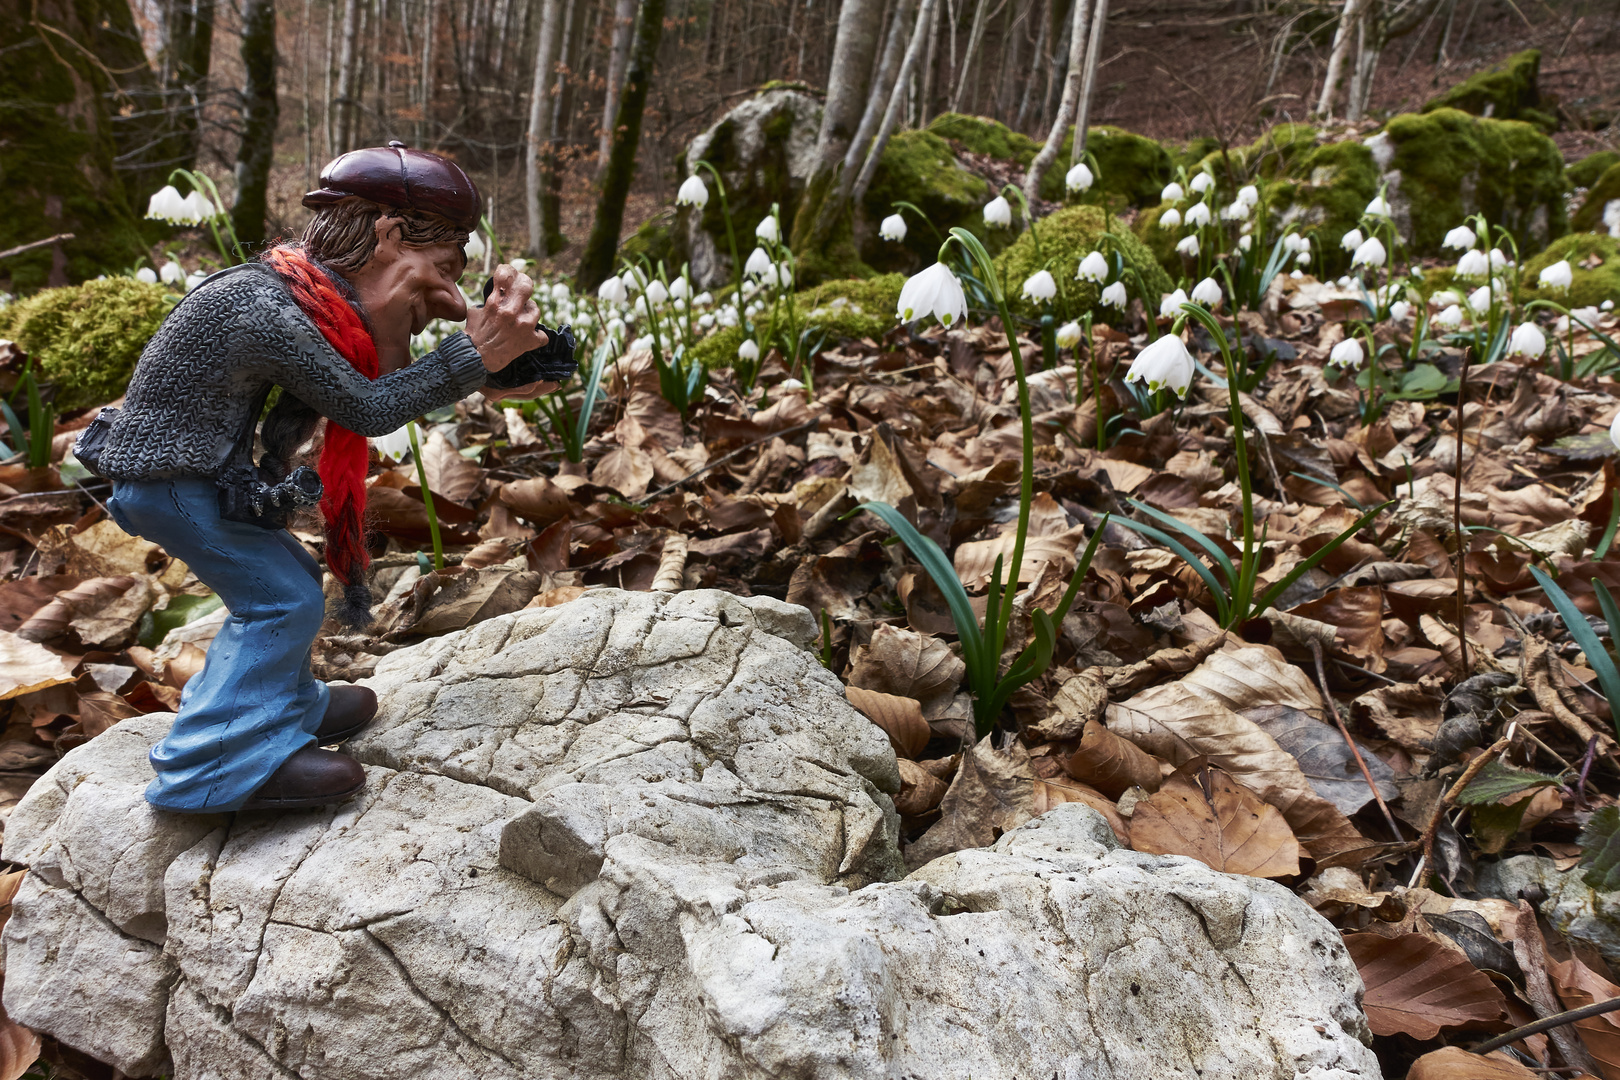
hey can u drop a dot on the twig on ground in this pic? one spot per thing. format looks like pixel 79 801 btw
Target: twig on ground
pixel 1355 751
pixel 1531 953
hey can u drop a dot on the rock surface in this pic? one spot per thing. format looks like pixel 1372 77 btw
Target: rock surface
pixel 640 836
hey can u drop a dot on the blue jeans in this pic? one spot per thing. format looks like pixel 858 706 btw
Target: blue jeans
pixel 254 703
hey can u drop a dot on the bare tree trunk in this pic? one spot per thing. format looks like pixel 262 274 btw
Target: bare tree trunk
pixel 1054 78
pixel 884 87
pixel 345 79
pixel 426 90
pixel 309 132
pixel 329 122
pixel 562 96
pixel 1341 45
pixel 925 98
pixel 974 37
pixel 1071 97
pixel 544 59
pixel 1029 80
pixel 1082 123
pixel 624 19
pixel 260 110
pixel 891 115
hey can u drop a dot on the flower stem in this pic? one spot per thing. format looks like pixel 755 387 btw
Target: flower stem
pixel 427 497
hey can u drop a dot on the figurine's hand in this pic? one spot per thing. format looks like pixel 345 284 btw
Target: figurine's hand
pixel 519 393
pixel 509 324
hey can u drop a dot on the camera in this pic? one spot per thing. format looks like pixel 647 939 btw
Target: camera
pixel 552 362
pixel 244 496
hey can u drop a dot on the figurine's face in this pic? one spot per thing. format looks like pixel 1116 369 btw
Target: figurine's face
pixel 404 287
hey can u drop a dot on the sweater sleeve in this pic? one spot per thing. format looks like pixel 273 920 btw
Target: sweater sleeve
pixel 288 350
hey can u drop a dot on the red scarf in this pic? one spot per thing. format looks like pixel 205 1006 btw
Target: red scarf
pixel 345 456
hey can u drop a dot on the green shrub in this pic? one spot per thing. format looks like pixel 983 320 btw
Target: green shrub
pixel 85 339
pixel 1591 286
pixel 1589 217
pixel 1065 238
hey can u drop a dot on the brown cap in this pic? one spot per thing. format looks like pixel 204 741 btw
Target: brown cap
pixel 401 178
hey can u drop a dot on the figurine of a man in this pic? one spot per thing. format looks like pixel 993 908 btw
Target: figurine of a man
pixel 327 319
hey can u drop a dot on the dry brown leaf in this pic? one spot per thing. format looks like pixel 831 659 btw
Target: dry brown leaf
pixel 920 790
pixel 1049 793
pixel 1419 987
pixel 1206 814
pixel 1112 764
pixel 538 501
pixel 974 561
pixel 448 473
pixel 1246 678
pixel 899 717
pixel 27 666
pixel 1079 700
pixel 102 550
pixel 99 710
pixel 19 1047
pixel 1455 1063
pixel 54 619
pixel 1409 713
pixel 992 793
pixel 1577 986
pixel 457 597
pixel 109 621
pixel 625 469
pixel 179 671
pixel 906 663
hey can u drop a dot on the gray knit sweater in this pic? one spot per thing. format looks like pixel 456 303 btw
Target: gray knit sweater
pixel 201 383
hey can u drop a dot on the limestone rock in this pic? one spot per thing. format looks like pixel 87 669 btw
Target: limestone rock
pixel 639 836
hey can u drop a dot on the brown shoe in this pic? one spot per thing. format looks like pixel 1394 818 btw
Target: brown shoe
pixel 311 777
pixel 349 710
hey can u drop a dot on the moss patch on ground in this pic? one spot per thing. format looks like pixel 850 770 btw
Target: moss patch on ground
pixel 851 308
pixel 1589 218
pixel 1064 238
pixel 1592 285
pixel 1585 172
pixel 85 339
pixel 1505 91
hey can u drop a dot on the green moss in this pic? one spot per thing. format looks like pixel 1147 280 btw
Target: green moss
pixel 918 167
pixel 1591 285
pixel 1504 91
pixel 1160 243
pixel 1064 239
pixel 85 339
pixel 1589 217
pixel 981 135
pixel 719 349
pixel 1132 166
pixel 1322 194
pixel 851 308
pixel 1585 172
pixel 1194 151
pixel 654 239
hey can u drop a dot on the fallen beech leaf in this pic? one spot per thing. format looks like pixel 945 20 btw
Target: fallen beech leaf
pixel 1248 678
pixel 538 501
pixel 179 671
pixel 626 469
pixel 54 618
pixel 20 600
pixel 920 790
pixel 1078 702
pixel 1419 987
pixel 448 473
pixel 904 662
pixel 992 793
pixel 1112 764
pixel 975 560
pixel 1049 793
pixel 900 718
pixel 99 710
pixel 1455 1063
pixel 26 666
pixel 1578 985
pixel 1206 814
pixel 1409 713
pixel 1324 758
pixel 19 1047
pixel 102 550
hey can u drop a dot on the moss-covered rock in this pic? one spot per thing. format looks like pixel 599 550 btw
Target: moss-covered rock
pixel 1585 172
pixel 656 240
pixel 1132 167
pixel 1592 284
pixel 1322 195
pixel 1504 91
pixel 1606 189
pixel 719 349
pixel 851 308
pixel 982 135
pixel 919 167
pixel 1058 242
pixel 85 339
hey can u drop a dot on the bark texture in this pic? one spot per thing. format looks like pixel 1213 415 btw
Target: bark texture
pixel 260 110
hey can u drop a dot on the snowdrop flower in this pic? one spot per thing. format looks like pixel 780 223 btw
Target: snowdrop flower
pixel 1172 193
pixel 613 291
pixel 519 265
pixel 1351 240
pixel 172 273
pixel 893 228
pixel 1039 287
pixel 1498 260
pixel 778 276
pixel 1303 258
pixel 1444 298
pixel 198 208
pixel 1345 282
pixel 706 320
pixel 1207 292
pixel 560 292
pixel 702 299
pixel 194 279
pixel 474 247
pixel 1474 263
pixel 727 317
pixel 1480 299
pixel 1304 243
pixel 934 292
pixel 1188 245
pixel 1068 335
pixel 1557 276
pixel 1460 239
pixel 1348 354
pixel 1170 219
pixel 166 205
pixel 767 231
pixel 1379 207
pixel 396 444
pixel 1583 316
pixel 1614 431
pixel 1607 305
pixel 748 350
pixel 1249 195
pixel 679 289
pixel 693 192
pixel 790 385
pixel 1527 341
pixel 1078 178
pixel 645 341
pixel 1399 310
pixel 998 213
pixel 759 261
pixel 146 276
pixel 615 327
pixel 1170 305
pixel 1165 363
pixel 656 293
pixel 1094 267
pixel 1450 318
pixel 1238 211
pixel 1291 242
pixel 1202 182
pixel 1245 242
pixel 641 306
pixel 1370 253
pixel 1197 215
pixel 1114 295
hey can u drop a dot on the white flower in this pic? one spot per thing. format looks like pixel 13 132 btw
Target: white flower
pixel 1078 178
pixel 1207 292
pixel 1351 240
pixel 1399 311
pixel 1584 316
pixel 778 276
pixel 146 275
pixel 1197 214
pixel 748 350
pixel 519 265
pixel 613 291
pixel 1188 245
pixel 1498 260
pixel 172 273
pixel 1202 182
pixel 1164 363
pixel 396 444
pixel 702 299
pixel 1114 295
pixel 560 292
pixel 1068 335
pixel 1527 341
pixel 1474 263
pixel 1607 305
pixel 1480 299
pixel 1379 207
pixel 893 228
pixel 1460 239
pixel 656 293
pixel 615 327
pixel 1290 242
pixel 194 279
pixel 1614 431
pixel 645 341
pixel 1238 211
pixel 767 231
pixel 641 306
pixel 693 192
pixel 790 385
pixel 1370 253
pixel 1170 219
pixel 706 320
pixel 998 213
pixel 1172 193
pixel 1245 242
pixel 1304 243
pixel 1303 258
pixel 1348 354
pixel 1444 298
pixel 934 292
pixel 1450 318
pixel 198 209
pixel 1297 274
pixel 474 247
pixel 1249 194
pixel 1170 304
pixel 759 261
pixel 167 205
pixel 1557 276
pixel 1039 287
pixel 1094 267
